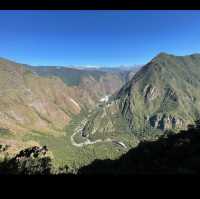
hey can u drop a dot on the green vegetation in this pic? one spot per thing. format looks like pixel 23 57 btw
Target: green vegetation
pixel 65 153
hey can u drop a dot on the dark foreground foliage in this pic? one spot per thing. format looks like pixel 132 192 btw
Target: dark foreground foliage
pixel 31 161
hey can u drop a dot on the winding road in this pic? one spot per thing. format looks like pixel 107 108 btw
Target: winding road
pixel 87 141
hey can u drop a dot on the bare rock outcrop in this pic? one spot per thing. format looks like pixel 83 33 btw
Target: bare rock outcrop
pixel 163 122
pixel 150 93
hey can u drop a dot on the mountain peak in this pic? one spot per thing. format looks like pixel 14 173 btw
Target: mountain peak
pixel 162 55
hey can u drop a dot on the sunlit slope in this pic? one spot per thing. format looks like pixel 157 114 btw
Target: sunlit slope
pixel 29 102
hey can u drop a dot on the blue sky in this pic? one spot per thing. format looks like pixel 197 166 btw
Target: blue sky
pixel 96 38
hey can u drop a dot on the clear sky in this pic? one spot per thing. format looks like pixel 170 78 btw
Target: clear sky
pixel 96 38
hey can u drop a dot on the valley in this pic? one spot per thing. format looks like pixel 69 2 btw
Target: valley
pixel 99 92
pixel 61 111
pixel 101 115
pixel 80 152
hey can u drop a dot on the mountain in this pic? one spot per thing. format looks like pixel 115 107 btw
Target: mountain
pixel 29 102
pixel 163 94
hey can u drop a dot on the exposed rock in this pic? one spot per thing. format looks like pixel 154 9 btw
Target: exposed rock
pixel 171 94
pixel 177 122
pixel 163 122
pixel 155 120
pixel 150 93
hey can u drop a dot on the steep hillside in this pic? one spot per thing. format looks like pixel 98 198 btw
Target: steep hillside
pixel 32 103
pixel 164 94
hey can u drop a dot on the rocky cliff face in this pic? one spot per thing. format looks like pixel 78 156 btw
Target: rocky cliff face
pixel 163 122
pixel 150 93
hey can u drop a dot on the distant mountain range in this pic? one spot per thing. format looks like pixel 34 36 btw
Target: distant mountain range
pixel 119 68
pixel 100 68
